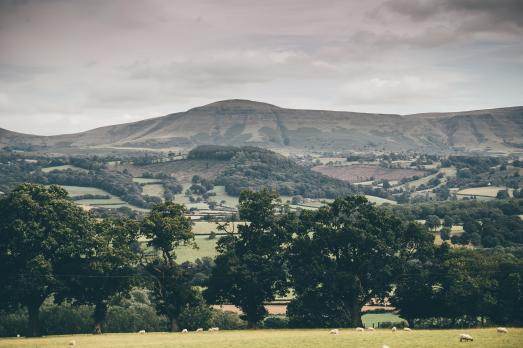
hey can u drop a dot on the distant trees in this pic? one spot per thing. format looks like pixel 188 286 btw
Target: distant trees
pixel 250 267
pixel 432 222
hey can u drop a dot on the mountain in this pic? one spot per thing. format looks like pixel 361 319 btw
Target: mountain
pixel 243 122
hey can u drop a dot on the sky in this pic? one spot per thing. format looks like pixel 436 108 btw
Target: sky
pixel 68 66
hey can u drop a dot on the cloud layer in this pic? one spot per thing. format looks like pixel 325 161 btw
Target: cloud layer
pixel 69 66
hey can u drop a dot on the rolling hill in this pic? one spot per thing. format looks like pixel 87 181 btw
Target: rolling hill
pixel 243 122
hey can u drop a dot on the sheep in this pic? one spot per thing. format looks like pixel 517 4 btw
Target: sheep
pixel 199 329
pixel 72 343
pixel 385 346
pixel 370 329
pixel 502 330
pixel 408 329
pixel 334 332
pixel 465 337
pixel 216 328
pixel 184 331
pixel 141 332
pixel 360 329
pixel 394 329
pixel 213 329
pixel 17 335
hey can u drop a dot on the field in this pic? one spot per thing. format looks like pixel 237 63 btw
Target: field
pixel 318 338
pixel 361 172
pixel 153 190
pixel 64 167
pixel 206 247
pixel 486 191
pixel 147 180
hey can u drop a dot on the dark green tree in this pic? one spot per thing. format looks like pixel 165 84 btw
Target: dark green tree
pixel 167 227
pixel 250 267
pixel 43 237
pixel 432 222
pixel 351 252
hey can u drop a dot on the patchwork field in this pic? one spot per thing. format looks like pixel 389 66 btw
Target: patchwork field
pixel 318 338
pixel 361 172
pixel 206 247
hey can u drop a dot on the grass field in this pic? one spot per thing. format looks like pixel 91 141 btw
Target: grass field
pixel 483 338
pixel 206 247
pixel 64 167
pixel 147 180
pixel 153 190
pixel 375 318
pixel 486 191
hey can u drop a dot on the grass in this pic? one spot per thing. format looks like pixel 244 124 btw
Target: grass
pixel 486 191
pixel 206 227
pixel 147 180
pixel 483 338
pixel 153 190
pixel 64 167
pixel 375 318
pixel 206 247
pixel 379 200
pixel 221 195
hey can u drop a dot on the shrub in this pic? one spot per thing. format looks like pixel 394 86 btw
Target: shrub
pixel 276 322
pixel 227 320
pixel 195 317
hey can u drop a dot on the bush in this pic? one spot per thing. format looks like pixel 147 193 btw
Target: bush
pixel 195 317
pixel 276 322
pixel 227 320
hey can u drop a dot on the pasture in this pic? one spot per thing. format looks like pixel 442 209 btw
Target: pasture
pixel 146 181
pixel 485 191
pixel 317 338
pixel 361 172
pixel 206 247
pixel 63 167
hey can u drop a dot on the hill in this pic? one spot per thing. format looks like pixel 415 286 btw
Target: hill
pixel 243 122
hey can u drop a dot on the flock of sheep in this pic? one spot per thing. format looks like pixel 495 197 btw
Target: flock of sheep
pixel 462 337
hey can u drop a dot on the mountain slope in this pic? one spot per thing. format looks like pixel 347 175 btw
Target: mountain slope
pixel 242 122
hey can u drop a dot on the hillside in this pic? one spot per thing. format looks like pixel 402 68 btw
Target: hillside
pixel 242 122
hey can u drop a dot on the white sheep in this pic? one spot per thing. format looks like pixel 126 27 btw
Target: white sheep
pixel 394 329
pixel 465 337
pixel 17 335
pixel 184 331
pixel 199 330
pixel 213 329
pixel 141 332
pixel 360 329
pixel 502 330
pixel 216 328
pixel 385 346
pixel 408 329
pixel 334 332
pixel 72 343
pixel 370 329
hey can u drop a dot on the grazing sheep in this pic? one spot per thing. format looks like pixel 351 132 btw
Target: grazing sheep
pixel 334 331
pixel 385 346
pixel 394 329
pixel 199 330
pixel 360 329
pixel 17 335
pixel 370 329
pixel 214 329
pixel 408 329
pixel 184 331
pixel 141 332
pixel 465 337
pixel 502 330
pixel 72 343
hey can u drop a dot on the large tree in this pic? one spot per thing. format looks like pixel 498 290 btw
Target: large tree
pixel 349 253
pixel 109 272
pixel 42 233
pixel 250 267
pixel 167 227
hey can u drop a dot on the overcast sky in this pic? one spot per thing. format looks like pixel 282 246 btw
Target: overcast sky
pixel 68 66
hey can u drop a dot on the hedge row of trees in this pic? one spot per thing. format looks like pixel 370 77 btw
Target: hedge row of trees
pixel 336 259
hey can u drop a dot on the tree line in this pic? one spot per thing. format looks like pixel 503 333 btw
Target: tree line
pixel 336 260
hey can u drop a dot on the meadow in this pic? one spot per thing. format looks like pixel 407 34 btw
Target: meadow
pixel 317 338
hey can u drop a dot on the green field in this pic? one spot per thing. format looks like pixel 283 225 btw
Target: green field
pixel 206 227
pixel 147 181
pixel 153 190
pixel 206 248
pixel 372 319
pixel 64 167
pixel 281 338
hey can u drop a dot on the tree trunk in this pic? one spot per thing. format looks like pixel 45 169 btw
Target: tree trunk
pixel 33 329
pixel 355 314
pixel 99 315
pixel 174 325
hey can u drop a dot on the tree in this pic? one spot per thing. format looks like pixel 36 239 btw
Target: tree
pixel 250 266
pixel 432 222
pixel 448 221
pixel 502 194
pixel 43 236
pixel 109 272
pixel 167 228
pixel 351 251
pixel 445 233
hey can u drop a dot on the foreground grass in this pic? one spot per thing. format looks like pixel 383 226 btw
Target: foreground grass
pixel 281 338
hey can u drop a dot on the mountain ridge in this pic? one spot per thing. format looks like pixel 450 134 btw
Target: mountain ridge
pixel 245 122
